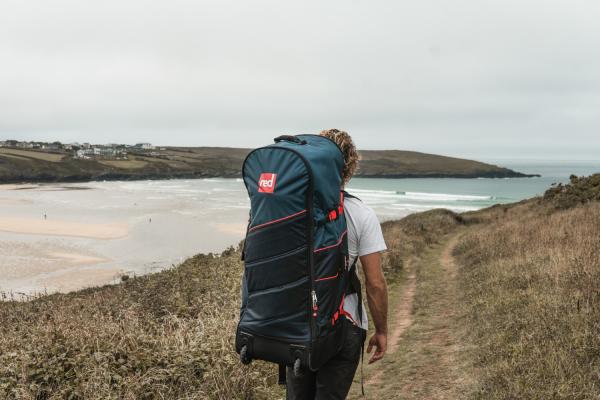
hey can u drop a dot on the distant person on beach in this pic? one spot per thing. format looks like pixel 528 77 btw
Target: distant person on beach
pixel 365 240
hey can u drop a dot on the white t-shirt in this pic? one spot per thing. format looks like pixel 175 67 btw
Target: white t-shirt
pixel 364 237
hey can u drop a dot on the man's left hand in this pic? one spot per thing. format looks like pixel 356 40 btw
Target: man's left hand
pixel 379 341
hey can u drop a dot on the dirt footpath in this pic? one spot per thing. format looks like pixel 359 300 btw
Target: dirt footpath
pixel 426 359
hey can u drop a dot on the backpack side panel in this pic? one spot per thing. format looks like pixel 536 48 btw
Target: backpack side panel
pixel 276 273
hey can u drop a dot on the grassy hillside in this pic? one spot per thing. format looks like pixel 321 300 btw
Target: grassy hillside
pixel 506 306
pixel 530 277
pixel 17 165
pixel 402 164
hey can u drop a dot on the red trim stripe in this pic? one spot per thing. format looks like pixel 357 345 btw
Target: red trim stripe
pixel 342 312
pixel 277 220
pixel 349 316
pixel 327 278
pixel 333 245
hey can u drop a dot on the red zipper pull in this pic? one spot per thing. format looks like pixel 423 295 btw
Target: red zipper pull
pixel 314 304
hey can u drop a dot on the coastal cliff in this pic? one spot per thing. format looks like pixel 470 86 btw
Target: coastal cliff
pixel 18 165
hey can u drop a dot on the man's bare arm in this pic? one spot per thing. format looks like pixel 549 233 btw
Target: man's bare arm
pixel 377 298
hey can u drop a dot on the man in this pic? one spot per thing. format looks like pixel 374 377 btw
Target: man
pixel 365 241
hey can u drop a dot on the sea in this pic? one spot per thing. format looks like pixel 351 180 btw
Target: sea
pixel 171 220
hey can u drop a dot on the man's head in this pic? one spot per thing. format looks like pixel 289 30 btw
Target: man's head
pixel 351 156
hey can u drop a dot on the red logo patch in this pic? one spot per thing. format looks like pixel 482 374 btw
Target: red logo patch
pixel 266 182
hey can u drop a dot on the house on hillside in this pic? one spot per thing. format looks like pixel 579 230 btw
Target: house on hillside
pixel 104 151
pixel 144 146
pixel 84 153
pixel 51 146
pixel 71 146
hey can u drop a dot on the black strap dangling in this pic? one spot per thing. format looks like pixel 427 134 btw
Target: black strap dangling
pixel 282 374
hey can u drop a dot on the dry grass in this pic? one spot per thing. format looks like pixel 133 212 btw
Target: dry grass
pixel 168 335
pixel 530 279
pixel 40 155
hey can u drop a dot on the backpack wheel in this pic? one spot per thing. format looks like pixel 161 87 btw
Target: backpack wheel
pixel 298 368
pixel 244 356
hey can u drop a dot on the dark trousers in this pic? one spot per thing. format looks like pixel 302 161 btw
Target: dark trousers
pixel 333 380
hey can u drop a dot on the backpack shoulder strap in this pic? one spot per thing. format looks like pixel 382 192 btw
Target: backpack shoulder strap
pixel 349 196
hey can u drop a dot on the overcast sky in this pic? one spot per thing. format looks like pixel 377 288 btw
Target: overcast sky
pixel 476 78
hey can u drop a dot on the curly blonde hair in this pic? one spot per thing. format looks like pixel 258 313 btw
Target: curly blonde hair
pixel 351 156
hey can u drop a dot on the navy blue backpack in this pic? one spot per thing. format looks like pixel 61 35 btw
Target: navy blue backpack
pixel 296 271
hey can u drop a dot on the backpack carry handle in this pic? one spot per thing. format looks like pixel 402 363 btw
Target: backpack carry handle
pixel 289 138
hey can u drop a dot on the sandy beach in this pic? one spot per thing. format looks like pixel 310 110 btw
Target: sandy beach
pixel 62 237
pixel 38 265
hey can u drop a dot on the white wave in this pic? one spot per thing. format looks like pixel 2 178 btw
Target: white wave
pixel 184 212
pixel 444 196
pixel 383 194
pixel 412 207
pixel 227 190
pixel 425 207
pixel 216 180
pixel 368 191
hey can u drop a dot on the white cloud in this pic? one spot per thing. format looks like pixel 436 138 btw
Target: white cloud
pixel 467 77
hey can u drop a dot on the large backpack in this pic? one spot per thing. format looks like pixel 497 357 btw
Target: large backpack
pixel 296 271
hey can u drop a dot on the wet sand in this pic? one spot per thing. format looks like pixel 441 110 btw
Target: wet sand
pixel 63 228
pixel 10 186
pixel 56 267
